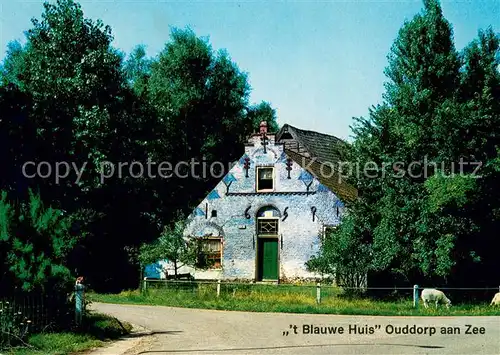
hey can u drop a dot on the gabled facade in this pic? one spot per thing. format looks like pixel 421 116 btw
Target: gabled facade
pixel 266 217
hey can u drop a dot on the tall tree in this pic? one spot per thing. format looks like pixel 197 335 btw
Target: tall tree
pixel 80 112
pixel 137 70
pixel 415 218
pixel 199 97
pixel 34 242
pixel 262 112
pixel 73 77
pixel 68 96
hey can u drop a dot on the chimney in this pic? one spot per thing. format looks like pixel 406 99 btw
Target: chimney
pixel 263 127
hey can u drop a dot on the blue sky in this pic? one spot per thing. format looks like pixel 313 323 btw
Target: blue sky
pixel 319 63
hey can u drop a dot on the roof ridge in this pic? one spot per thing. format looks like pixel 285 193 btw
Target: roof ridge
pixel 344 190
pixel 315 132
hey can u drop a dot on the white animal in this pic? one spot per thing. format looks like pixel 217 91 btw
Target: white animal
pixel 436 296
pixel 496 300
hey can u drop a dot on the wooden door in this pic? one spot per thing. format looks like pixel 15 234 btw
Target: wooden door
pixel 268 258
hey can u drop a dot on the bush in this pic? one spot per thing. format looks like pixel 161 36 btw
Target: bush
pixel 14 325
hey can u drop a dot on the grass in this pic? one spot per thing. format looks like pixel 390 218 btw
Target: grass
pixel 96 330
pixel 286 299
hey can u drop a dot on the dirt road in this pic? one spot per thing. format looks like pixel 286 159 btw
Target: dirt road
pixel 193 331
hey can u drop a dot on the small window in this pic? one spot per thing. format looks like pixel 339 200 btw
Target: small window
pixel 214 213
pixel 327 230
pixel 211 253
pixel 267 226
pixel 265 179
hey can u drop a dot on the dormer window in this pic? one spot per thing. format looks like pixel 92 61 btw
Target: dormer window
pixel 265 179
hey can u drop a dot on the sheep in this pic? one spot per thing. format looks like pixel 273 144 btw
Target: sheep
pixel 436 296
pixel 496 300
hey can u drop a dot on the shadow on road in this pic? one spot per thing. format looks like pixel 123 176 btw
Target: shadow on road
pixel 289 347
pixel 138 335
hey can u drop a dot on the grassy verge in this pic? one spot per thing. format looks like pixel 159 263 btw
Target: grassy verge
pixel 285 299
pixel 95 331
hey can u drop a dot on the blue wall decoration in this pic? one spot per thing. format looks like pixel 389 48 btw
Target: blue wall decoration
pixel 243 159
pixel 307 179
pixel 305 176
pixel 339 203
pixel 242 221
pixel 282 158
pixel 322 188
pixel 213 195
pixel 229 178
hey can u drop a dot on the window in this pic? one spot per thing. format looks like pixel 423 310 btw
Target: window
pixel 326 231
pixel 267 226
pixel 211 252
pixel 214 213
pixel 265 179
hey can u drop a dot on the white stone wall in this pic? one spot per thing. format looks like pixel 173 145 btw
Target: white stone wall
pixel 300 234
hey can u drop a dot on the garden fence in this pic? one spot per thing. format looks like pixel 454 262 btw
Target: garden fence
pixel 213 289
pixel 27 313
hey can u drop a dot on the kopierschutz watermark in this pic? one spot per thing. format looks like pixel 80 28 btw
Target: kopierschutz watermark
pixel 422 169
pixel 341 171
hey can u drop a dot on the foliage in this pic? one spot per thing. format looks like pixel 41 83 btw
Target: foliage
pixel 35 242
pixel 343 256
pixel 14 326
pixel 262 112
pixel 137 70
pixel 171 246
pixel 425 212
pixel 65 100
pixel 67 95
pixel 95 331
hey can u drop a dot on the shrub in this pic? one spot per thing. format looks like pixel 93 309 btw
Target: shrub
pixel 14 326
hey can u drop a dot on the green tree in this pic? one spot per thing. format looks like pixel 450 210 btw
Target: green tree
pixel 199 97
pixel 172 246
pixel 262 112
pixel 346 254
pixel 137 70
pixel 73 77
pixel 77 107
pixel 68 95
pixel 415 220
pixel 35 242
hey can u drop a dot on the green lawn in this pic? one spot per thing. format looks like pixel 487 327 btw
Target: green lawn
pixel 96 330
pixel 289 299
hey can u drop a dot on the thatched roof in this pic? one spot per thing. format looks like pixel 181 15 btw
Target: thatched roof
pixel 324 151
